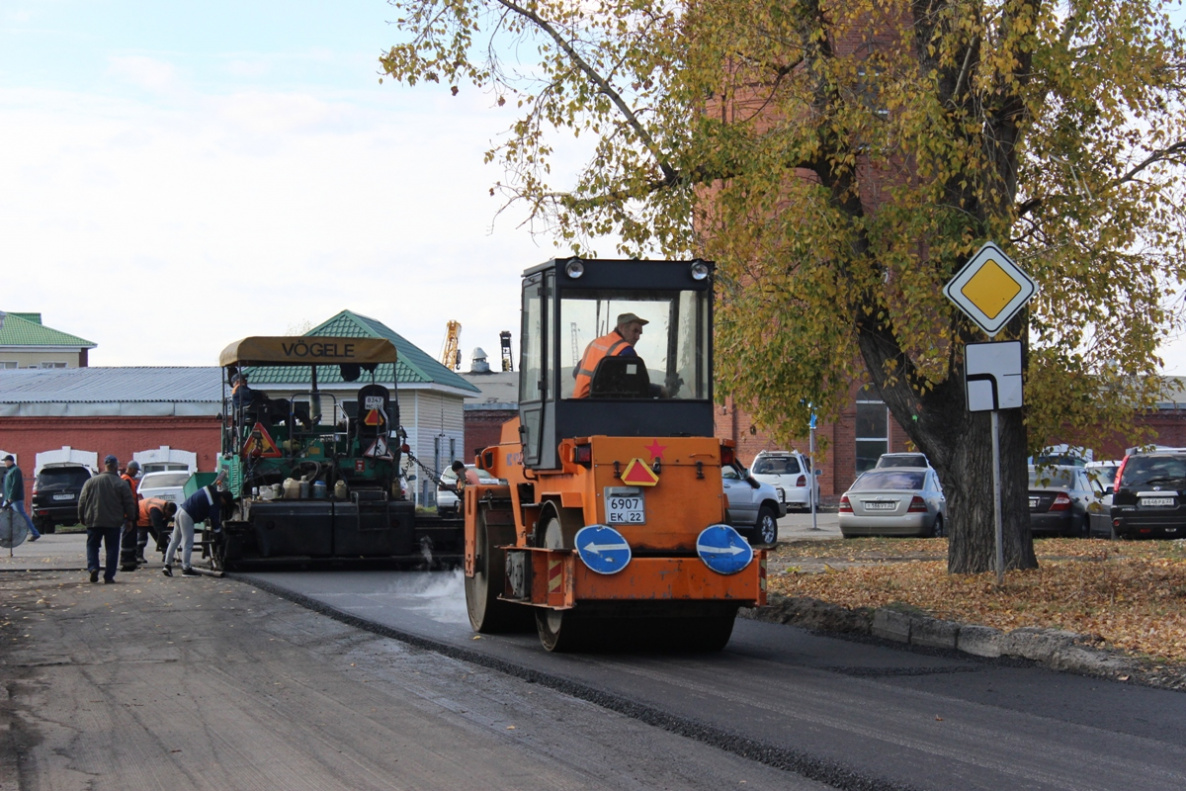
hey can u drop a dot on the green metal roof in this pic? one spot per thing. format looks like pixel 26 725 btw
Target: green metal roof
pixel 414 365
pixel 19 329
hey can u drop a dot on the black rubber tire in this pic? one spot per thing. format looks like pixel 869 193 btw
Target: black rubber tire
pixel 46 527
pixel 562 631
pixel 707 633
pixel 765 529
pixel 937 528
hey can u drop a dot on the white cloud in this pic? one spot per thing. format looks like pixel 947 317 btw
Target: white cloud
pixel 144 72
pixel 163 234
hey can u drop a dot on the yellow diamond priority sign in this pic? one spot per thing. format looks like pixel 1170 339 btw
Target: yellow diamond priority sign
pixel 990 289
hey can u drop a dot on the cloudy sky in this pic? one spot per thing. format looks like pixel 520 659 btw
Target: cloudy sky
pixel 180 175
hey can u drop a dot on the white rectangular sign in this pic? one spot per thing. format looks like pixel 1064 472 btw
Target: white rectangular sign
pixel 992 376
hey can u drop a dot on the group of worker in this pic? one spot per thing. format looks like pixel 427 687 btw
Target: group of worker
pixel 120 520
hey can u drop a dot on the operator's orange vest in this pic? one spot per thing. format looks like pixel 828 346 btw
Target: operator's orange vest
pixel 147 505
pixel 609 345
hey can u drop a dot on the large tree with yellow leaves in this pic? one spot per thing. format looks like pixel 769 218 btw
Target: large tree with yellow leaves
pixel 840 161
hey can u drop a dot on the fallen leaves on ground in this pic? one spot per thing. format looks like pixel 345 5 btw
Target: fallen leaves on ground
pixel 1132 595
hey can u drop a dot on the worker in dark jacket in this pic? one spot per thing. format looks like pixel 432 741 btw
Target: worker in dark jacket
pixel 106 507
pixel 204 504
pixel 14 494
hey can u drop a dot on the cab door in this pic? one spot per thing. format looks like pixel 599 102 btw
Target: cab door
pixel 533 370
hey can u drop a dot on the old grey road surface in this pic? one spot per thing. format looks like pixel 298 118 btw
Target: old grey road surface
pixel 366 679
pixel 200 683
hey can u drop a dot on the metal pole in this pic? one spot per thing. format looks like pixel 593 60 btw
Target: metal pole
pixel 811 478
pixel 996 498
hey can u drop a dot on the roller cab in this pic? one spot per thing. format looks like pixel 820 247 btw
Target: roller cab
pixel 610 527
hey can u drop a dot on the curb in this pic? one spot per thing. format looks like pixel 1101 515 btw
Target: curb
pixel 1051 648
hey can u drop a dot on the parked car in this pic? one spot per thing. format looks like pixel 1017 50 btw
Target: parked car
pixel 169 485
pixel 1062 456
pixel 789 472
pixel 754 507
pixel 1149 496
pixel 901 460
pixel 895 501
pixel 1060 498
pixel 447 500
pixel 55 495
pixel 1103 473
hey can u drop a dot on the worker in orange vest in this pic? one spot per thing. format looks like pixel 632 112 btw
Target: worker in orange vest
pixel 127 544
pixel 619 342
pixel 155 515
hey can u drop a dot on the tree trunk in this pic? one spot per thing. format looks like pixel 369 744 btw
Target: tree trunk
pixel 959 446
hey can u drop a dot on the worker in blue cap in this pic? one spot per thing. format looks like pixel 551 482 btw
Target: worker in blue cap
pixel 106 507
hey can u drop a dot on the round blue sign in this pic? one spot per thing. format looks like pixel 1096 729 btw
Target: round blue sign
pixel 603 549
pixel 723 549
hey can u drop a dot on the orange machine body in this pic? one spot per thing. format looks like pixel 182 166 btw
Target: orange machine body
pixel 679 479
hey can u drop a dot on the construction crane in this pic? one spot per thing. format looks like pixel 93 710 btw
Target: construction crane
pixel 504 340
pixel 450 350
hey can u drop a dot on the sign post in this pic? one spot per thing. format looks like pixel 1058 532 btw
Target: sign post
pixel 991 289
pixel 811 479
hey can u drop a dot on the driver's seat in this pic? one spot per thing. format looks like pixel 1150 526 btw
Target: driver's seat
pixel 620 377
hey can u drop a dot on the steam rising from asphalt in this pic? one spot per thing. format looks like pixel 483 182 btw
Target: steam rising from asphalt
pixel 437 595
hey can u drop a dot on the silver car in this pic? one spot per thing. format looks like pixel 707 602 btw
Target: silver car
pixel 754 507
pixel 447 500
pixel 169 485
pixel 898 501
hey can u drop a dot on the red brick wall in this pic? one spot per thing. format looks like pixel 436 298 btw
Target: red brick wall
pixel 736 424
pixel 25 437
pixel 483 428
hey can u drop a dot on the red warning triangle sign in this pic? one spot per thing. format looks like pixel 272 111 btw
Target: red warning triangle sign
pixel 261 444
pixel 639 473
pixel 378 449
pixel 374 418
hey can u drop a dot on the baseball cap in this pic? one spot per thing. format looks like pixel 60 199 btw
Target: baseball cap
pixel 9 457
pixel 631 318
pixel 110 459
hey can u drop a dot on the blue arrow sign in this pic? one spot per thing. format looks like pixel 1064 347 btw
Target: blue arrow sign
pixel 603 549
pixel 723 549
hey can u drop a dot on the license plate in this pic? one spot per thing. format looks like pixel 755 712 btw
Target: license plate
pixel 879 506
pixel 1156 501
pixel 1033 502
pixel 625 509
pixel 63 497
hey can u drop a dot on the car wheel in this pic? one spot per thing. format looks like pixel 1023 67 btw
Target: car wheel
pixel 766 528
pixel 937 528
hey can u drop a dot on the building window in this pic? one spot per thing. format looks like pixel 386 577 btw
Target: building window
pixel 52 365
pixel 872 433
pixel 7 366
